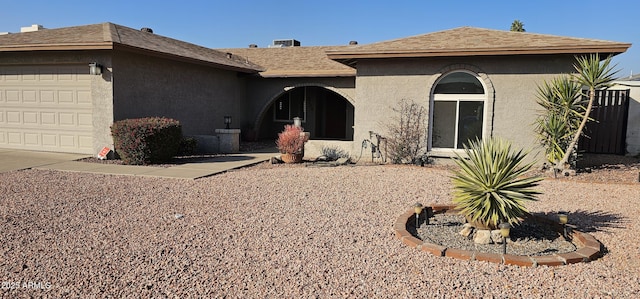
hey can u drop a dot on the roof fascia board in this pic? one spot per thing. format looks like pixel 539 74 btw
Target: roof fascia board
pixel 294 74
pixel 58 47
pixel 479 52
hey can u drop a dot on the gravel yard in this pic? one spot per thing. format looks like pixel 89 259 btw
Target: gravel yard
pixel 285 231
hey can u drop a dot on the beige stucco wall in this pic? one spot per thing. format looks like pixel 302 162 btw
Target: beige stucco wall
pixel 101 86
pixel 262 92
pixel 509 81
pixel 198 96
pixel 633 123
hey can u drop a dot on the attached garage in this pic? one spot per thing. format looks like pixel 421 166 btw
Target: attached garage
pixel 46 108
pixel 50 101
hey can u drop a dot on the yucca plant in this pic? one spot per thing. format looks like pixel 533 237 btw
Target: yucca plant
pixel 593 74
pixel 490 187
pixel 563 108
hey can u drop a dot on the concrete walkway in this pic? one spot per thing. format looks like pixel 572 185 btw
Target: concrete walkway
pixel 18 159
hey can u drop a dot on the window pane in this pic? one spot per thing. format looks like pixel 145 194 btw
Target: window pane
pixel 470 123
pixel 444 124
pixel 297 103
pixel 459 83
pixel 281 107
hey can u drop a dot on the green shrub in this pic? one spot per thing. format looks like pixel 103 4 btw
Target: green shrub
pixel 148 140
pixel 188 146
pixel 334 153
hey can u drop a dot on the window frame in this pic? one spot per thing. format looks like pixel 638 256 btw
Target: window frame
pixel 288 94
pixel 457 98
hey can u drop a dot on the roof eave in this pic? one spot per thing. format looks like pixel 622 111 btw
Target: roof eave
pixel 345 55
pixel 306 74
pixel 57 47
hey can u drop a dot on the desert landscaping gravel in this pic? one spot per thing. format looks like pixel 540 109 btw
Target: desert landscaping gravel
pixel 280 231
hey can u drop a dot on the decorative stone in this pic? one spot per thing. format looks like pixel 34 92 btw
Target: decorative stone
pixel 482 237
pixel 467 230
pixel 496 236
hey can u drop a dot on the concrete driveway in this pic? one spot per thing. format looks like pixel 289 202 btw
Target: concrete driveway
pixel 13 159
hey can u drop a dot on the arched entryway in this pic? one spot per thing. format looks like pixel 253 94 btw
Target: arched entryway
pixel 326 114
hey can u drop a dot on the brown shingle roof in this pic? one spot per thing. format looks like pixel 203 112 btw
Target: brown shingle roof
pixel 469 41
pixel 110 36
pixel 295 61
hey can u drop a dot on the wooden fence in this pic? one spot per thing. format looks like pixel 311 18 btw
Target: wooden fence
pixel 607 134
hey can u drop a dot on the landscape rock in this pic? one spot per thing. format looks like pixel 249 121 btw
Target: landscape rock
pixel 482 236
pixel 467 230
pixel 496 236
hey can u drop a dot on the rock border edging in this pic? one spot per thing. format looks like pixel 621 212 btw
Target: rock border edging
pixel 588 248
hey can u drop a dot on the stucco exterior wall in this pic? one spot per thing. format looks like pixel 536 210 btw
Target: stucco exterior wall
pixel 633 123
pixel 197 96
pixel 510 84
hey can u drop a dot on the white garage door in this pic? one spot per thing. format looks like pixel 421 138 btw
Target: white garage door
pixel 46 108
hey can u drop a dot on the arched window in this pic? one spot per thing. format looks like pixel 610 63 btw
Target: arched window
pixel 458 111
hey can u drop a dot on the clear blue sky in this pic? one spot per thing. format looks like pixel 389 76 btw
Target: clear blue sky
pixel 238 23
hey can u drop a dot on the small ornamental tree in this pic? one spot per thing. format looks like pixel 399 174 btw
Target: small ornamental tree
pixel 406 141
pixel 517 26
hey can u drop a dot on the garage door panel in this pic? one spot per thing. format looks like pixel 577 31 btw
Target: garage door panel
pixel 13 96
pixel 13 117
pixel 14 138
pixel 47 96
pixel 46 108
pixel 31 139
pixel 67 119
pixel 30 118
pixel 48 118
pixel 49 140
pixel 72 141
pixel 84 97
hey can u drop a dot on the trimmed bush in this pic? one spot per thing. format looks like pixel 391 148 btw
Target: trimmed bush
pixel 148 140
pixel 188 146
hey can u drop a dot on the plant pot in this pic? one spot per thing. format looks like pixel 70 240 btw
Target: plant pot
pixel 291 158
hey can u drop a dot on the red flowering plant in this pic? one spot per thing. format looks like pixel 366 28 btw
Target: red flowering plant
pixel 291 140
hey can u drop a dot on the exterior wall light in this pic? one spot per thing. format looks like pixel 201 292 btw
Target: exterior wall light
pixel 505 229
pixel 227 121
pixel 563 218
pixel 418 209
pixel 95 68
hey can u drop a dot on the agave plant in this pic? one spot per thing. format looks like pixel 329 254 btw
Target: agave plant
pixel 490 187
